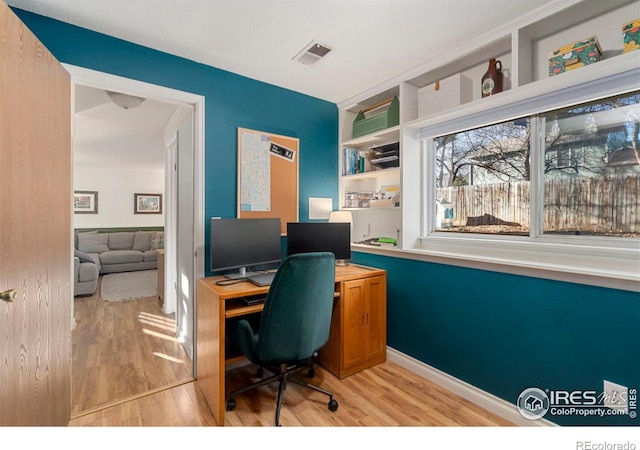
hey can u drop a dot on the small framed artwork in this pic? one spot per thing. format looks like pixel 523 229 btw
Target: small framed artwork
pixel 147 203
pixel 85 202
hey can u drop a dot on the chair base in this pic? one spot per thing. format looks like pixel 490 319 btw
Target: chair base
pixel 283 374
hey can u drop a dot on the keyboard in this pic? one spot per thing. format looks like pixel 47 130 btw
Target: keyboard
pixel 253 300
pixel 262 279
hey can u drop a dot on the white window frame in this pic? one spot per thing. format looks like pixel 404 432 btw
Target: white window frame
pixel 604 261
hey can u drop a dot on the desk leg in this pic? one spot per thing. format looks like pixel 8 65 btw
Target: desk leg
pixel 210 344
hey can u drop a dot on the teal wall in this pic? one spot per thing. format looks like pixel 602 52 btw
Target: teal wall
pixel 502 333
pixel 505 333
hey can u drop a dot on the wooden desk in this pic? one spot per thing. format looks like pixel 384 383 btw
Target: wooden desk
pixel 358 336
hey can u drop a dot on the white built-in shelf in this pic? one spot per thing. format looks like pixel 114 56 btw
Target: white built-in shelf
pixel 388 208
pixel 391 172
pixel 376 138
pixel 624 63
pixel 522 46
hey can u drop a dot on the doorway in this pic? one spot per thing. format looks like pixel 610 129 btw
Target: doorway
pixel 183 262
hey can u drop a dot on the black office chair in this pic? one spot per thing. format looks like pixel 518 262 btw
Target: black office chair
pixel 294 324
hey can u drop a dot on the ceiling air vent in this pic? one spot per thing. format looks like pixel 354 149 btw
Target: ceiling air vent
pixel 312 53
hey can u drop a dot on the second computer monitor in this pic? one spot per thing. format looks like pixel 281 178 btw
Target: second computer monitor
pixel 334 237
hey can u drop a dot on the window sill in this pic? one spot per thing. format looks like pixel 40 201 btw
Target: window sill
pixel 611 267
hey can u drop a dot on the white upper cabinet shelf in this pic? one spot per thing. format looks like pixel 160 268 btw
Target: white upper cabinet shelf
pixel 522 47
pixel 567 22
pixel 348 115
pixel 375 138
pixel 393 172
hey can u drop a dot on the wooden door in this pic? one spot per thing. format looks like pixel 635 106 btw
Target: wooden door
pixel 376 319
pixel 35 230
pixel 353 323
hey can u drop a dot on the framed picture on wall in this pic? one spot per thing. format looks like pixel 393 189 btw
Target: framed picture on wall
pixel 147 203
pixel 85 202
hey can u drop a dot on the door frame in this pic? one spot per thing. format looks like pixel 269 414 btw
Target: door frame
pixel 101 80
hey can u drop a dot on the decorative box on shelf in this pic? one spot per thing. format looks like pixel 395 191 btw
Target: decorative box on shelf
pixel 631 36
pixel 444 94
pixel 378 117
pixel 357 199
pixel 574 55
pixel 386 197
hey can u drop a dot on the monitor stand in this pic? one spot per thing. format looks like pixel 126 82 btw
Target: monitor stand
pixel 240 274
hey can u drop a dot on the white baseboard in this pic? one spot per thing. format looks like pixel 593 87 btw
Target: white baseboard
pixel 477 396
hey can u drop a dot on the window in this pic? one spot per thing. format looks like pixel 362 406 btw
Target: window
pixel 593 189
pixel 571 171
pixel 483 180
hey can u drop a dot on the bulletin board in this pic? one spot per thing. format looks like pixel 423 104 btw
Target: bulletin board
pixel 268 176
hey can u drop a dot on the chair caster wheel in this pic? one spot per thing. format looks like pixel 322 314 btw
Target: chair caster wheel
pixel 231 404
pixel 333 405
pixel 260 372
pixel 311 373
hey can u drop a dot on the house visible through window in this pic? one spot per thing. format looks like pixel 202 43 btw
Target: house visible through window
pixel 588 160
pixel 594 187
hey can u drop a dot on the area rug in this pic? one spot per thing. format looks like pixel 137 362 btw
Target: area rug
pixel 118 287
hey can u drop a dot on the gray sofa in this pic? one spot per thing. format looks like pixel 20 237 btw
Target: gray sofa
pixel 100 253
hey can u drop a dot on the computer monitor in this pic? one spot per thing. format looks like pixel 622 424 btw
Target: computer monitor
pixel 334 237
pixel 244 243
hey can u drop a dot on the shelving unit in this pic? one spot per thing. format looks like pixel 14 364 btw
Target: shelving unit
pixel 522 46
pixel 368 220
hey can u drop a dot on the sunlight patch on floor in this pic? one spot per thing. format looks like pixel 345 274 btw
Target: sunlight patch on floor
pixel 159 335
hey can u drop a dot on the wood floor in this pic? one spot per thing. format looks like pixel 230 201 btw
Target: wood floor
pixel 128 350
pixel 383 396
pixel 121 350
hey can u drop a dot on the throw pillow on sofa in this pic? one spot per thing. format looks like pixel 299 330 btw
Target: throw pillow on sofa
pixel 93 243
pixel 157 241
pixel 142 241
pixel 76 233
pixel 121 241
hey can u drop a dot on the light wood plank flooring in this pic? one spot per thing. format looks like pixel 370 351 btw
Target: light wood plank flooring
pixel 129 371
pixel 121 350
pixel 383 396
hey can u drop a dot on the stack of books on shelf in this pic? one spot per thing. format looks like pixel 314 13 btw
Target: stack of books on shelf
pixel 376 158
pixel 355 161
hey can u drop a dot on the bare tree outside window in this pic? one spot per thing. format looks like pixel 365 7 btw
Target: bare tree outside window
pixel 591 173
pixel 484 175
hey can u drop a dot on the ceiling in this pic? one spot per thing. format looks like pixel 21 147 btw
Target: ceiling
pixel 372 40
pixel 106 135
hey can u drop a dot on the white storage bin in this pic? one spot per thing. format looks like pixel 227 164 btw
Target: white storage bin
pixel 444 94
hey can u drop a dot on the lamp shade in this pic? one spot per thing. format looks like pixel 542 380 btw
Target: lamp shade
pixel 341 216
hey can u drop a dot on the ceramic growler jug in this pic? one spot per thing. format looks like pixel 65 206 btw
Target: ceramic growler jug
pixel 492 79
